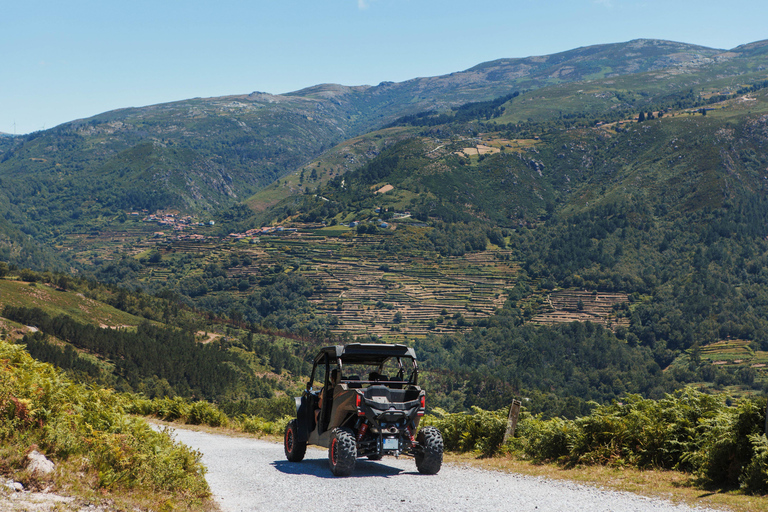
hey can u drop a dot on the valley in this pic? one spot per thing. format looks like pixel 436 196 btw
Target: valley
pixel 585 231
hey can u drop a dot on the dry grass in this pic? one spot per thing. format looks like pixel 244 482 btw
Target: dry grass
pixel 75 479
pixel 669 485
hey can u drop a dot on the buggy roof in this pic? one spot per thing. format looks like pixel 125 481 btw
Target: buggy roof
pixel 365 353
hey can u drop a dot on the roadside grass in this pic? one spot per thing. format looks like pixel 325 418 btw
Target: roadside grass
pixel 675 486
pixel 76 479
pixel 678 487
pixel 102 455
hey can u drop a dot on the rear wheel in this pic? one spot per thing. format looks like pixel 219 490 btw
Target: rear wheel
pixel 294 450
pixel 429 454
pixel 342 453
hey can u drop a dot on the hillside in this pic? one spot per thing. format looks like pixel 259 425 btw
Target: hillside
pixel 684 80
pixel 619 186
pixel 205 154
pixel 132 342
pixel 668 213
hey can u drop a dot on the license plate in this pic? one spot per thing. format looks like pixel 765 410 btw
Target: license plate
pixel 391 443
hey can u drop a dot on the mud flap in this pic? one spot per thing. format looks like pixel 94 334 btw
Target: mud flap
pixel 304 419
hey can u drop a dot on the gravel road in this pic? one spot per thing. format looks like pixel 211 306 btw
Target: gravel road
pixel 247 474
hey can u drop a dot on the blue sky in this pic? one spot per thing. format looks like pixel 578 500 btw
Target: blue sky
pixel 65 60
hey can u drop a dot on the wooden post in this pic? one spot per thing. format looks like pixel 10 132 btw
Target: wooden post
pixel 514 412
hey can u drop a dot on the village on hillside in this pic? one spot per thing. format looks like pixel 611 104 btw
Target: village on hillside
pixel 176 224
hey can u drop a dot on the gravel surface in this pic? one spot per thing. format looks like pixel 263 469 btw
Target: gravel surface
pixel 247 474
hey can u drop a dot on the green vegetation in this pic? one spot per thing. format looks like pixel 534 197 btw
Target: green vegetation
pixel 86 431
pixel 155 360
pixel 722 443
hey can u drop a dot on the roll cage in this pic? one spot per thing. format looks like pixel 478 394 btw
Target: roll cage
pixel 368 354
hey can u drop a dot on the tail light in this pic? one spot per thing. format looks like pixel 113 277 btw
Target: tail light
pixel 359 404
pixel 422 405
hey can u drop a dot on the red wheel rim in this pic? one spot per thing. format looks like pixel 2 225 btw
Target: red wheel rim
pixel 289 440
pixel 333 452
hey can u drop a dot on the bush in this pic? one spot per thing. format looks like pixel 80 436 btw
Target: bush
pixel 481 431
pixel 273 413
pixel 271 409
pixel 203 413
pixel 28 275
pixel 258 425
pixel 40 406
pixel 171 409
pixel 754 478
pixel 546 440
pixel 645 433
pixel 688 430
pixel 733 448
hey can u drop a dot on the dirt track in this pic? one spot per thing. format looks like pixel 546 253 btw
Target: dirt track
pixel 247 474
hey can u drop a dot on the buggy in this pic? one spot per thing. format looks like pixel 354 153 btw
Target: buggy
pixel 358 414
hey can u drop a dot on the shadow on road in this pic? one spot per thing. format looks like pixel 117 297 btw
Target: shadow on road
pixel 319 468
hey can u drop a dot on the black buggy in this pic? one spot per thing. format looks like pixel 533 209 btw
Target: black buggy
pixel 369 405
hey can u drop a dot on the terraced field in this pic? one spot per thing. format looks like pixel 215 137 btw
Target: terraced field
pixel 411 296
pixel 392 296
pixel 735 353
pixel 732 354
pixel 370 292
pixel 582 306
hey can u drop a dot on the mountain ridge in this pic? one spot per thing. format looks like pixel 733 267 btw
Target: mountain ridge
pixel 204 155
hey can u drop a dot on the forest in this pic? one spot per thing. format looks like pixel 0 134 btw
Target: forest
pixel 154 360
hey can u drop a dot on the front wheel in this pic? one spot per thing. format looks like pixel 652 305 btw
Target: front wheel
pixel 294 450
pixel 429 453
pixel 342 453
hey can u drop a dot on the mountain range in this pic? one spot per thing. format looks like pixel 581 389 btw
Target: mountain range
pixel 202 154
pixel 621 186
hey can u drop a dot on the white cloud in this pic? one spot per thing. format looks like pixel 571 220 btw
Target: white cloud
pixel 362 4
pixel 604 3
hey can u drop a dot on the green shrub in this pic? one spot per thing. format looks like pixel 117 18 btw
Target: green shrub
pixel 137 404
pixel 203 413
pixel 645 433
pixel 258 425
pixel 688 430
pixel 754 477
pixel 546 440
pixel 731 443
pixel 40 406
pixel 268 408
pixel 481 431
pixel 170 409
